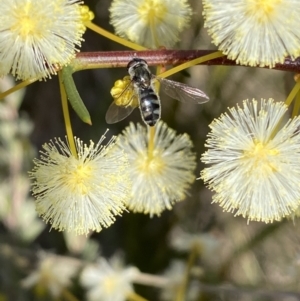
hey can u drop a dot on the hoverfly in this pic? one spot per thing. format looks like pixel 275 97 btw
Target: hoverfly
pixel 142 93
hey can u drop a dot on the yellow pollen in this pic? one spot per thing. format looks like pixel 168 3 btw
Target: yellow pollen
pixel 263 9
pixel 110 284
pixel 151 165
pixel 151 11
pixel 261 159
pixel 123 93
pixel 86 13
pixel 79 178
pixel 27 23
pixel 27 26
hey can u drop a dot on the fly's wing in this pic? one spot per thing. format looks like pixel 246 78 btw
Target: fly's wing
pixel 117 113
pixel 182 92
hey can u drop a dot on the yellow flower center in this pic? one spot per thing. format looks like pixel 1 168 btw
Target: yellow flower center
pixel 152 11
pixel 154 165
pixel 262 9
pixel 28 21
pixel 79 178
pixel 110 284
pixel 260 157
pixel 27 26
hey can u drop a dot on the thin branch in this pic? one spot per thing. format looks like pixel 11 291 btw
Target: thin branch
pixel 114 59
pixel 151 280
pixel 184 284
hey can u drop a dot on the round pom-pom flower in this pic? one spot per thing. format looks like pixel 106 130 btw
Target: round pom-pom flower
pixel 108 280
pixel 151 23
pixel 52 275
pixel 83 193
pixel 162 172
pixel 255 169
pixel 38 37
pixel 254 32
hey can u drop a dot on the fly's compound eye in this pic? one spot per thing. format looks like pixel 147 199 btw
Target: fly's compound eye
pixel 136 62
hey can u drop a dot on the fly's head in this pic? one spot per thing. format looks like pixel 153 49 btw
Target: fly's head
pixel 139 73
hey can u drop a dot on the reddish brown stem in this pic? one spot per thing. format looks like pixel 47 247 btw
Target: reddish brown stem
pixel 113 59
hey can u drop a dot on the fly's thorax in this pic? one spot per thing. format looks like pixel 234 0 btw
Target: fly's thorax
pixel 139 73
pixel 142 78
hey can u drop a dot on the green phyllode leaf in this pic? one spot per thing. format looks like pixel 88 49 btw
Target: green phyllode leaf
pixel 73 95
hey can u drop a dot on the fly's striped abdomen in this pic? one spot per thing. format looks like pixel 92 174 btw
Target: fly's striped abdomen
pixel 149 106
